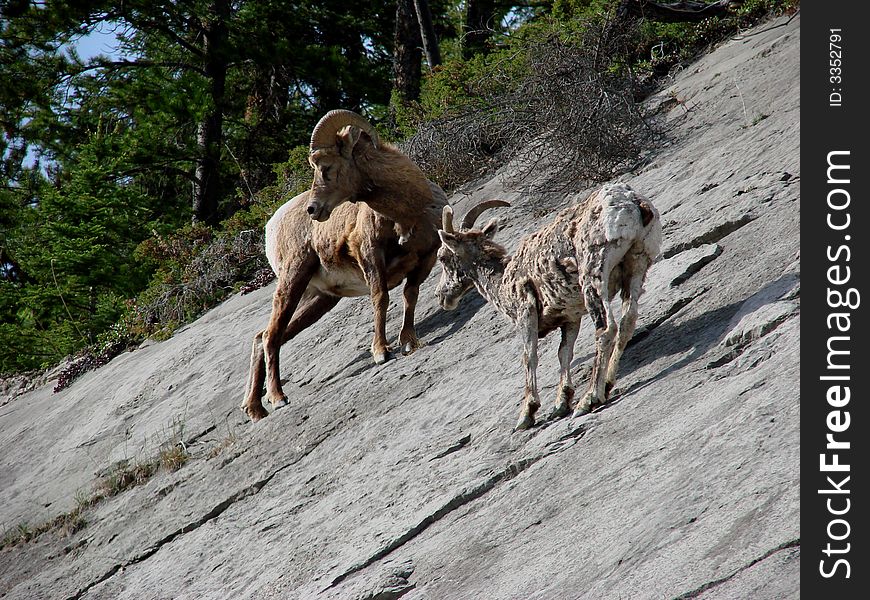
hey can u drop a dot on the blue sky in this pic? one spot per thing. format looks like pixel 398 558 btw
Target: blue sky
pixel 102 40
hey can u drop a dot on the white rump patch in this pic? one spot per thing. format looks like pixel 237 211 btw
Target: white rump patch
pixel 272 232
pixel 621 216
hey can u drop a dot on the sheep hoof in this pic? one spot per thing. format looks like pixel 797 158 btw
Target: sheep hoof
pixel 411 346
pixel 584 406
pixel 279 403
pixel 563 403
pixel 560 411
pixel 525 422
pixel 381 357
pixel 254 412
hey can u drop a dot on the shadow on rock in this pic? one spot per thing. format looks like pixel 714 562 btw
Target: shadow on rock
pixel 698 334
pixel 454 319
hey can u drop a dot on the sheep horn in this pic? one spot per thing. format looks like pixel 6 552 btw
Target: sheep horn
pixel 324 132
pixel 471 216
pixel 447 219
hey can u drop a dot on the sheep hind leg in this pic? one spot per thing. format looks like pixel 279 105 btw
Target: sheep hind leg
pixel 408 340
pixel 253 404
pixel 631 291
pixel 528 329
pixel 565 393
pixel 597 297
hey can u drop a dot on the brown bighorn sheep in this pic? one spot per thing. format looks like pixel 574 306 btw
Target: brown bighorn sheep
pixel 369 221
pixel 571 267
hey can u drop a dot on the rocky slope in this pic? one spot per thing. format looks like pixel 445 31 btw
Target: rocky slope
pixel 405 479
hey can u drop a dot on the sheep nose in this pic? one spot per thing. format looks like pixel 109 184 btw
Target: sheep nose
pixel 312 209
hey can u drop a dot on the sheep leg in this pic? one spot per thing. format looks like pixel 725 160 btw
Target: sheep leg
pixel 292 283
pixel 624 333
pixel 631 291
pixel 408 340
pixel 375 272
pixel 253 404
pixel 528 330
pixel 565 394
pixel 311 308
pixel 596 293
pixel 605 336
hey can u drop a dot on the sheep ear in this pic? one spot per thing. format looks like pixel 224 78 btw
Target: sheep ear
pixel 346 139
pixel 449 240
pixel 490 229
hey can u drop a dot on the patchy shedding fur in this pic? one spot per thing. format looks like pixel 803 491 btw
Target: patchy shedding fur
pixel 572 267
pixel 368 222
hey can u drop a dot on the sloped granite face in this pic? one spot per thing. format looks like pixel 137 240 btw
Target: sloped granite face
pixel 404 480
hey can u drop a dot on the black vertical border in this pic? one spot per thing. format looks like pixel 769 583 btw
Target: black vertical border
pixel 826 128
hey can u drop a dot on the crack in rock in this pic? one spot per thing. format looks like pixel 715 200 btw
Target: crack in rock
pixel 150 551
pixel 455 503
pixel 696 265
pixel 212 514
pixel 752 328
pixel 710 237
pixel 460 500
pixel 711 584
pixel 459 445
pixel 393 587
pixel 393 593
pixel 191 441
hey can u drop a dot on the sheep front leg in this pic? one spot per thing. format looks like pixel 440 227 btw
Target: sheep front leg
pixel 565 393
pixel 310 309
pixel 375 271
pixel 528 331
pixel 292 283
pixel 626 329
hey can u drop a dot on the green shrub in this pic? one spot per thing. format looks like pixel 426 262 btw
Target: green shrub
pixel 197 267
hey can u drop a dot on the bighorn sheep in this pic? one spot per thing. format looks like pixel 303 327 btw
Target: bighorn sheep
pixel 569 268
pixel 341 238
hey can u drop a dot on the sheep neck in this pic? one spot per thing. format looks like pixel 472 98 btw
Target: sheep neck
pixel 490 283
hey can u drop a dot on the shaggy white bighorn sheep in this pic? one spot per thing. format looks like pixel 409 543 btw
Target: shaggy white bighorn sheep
pixel 341 238
pixel 571 267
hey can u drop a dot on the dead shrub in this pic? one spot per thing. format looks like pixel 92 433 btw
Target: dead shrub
pixel 563 105
pixel 206 278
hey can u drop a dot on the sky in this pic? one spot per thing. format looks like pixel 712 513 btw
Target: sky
pixel 101 40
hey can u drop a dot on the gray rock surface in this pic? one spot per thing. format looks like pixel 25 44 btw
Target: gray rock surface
pixel 404 480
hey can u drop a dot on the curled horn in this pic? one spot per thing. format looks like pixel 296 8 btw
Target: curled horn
pixel 474 212
pixel 447 219
pixel 324 132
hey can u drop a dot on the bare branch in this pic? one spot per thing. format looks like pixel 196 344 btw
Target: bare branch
pixel 569 118
pixel 675 12
pixel 141 63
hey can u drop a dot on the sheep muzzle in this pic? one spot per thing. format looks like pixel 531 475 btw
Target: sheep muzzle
pixel 317 211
